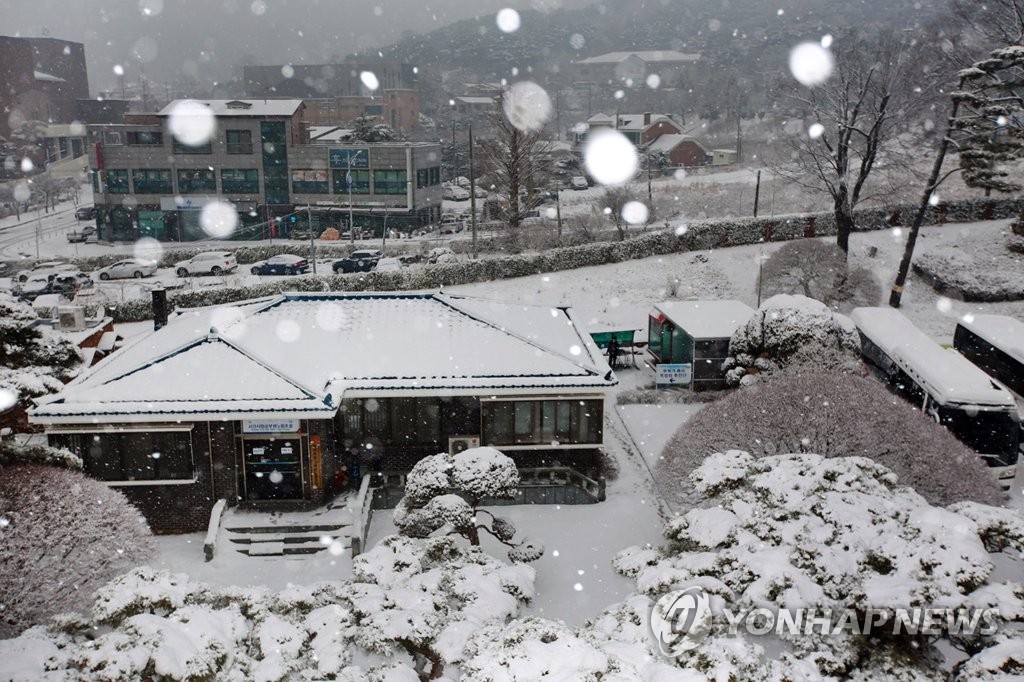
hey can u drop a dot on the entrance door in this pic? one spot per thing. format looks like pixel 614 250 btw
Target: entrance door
pixel 273 468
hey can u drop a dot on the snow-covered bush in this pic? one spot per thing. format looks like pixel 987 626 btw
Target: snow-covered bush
pixel 33 362
pixel 819 270
pixel 14 452
pixel 967 278
pixel 805 531
pixel 835 415
pixel 791 332
pixel 408 611
pixel 62 534
pixel 443 493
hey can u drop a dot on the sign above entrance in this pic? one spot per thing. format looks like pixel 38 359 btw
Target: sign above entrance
pixel 349 158
pixel 183 204
pixel 270 425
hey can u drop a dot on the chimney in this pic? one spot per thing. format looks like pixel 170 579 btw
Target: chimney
pixel 159 308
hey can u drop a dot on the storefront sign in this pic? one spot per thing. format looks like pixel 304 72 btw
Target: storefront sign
pixel 674 375
pixel 270 425
pixel 349 158
pixel 183 204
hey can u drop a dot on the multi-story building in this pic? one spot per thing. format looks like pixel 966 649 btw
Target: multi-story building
pixel 40 79
pixel 633 68
pixel 335 94
pixel 147 183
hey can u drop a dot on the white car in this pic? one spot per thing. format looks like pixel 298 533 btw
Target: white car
pixel 389 264
pixel 209 263
pixel 461 181
pixel 579 182
pixel 48 269
pixel 131 267
pixel 455 194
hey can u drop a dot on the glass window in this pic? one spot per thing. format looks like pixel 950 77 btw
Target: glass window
pixel 180 148
pixel 145 137
pixel 542 422
pixel 309 182
pixel 240 181
pixel 132 456
pixel 238 141
pixel 389 182
pixel 152 181
pixel 117 181
pixel 195 180
pixel 360 182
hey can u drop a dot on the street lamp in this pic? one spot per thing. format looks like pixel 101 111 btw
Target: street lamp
pixel 348 181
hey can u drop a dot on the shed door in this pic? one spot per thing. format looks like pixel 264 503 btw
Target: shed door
pixel 273 468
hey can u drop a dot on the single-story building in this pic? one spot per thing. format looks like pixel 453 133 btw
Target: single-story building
pixel 693 338
pixel 680 150
pixel 287 399
pixel 723 157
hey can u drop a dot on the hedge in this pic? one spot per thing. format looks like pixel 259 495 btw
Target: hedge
pixel 708 234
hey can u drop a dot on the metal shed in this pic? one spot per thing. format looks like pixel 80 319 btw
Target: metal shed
pixel 689 340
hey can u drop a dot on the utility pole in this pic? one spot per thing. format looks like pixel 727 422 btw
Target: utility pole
pixel 472 191
pixel 312 237
pixel 348 181
pixel 757 192
pixel 650 194
pixel 558 212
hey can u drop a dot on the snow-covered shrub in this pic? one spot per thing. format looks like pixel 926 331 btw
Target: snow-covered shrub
pixel 443 492
pixel 33 362
pixel 835 415
pixel 791 332
pixel 62 534
pixel 805 531
pixel 14 452
pixel 407 613
pixel 967 278
pixel 819 270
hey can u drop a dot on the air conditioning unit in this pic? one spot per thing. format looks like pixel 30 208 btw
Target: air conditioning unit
pixel 457 444
pixel 71 318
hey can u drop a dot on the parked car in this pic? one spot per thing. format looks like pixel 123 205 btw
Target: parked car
pixel 48 269
pixel 70 283
pixel 33 287
pixel 301 235
pixel 130 267
pixel 480 192
pixel 282 264
pixel 363 260
pixel 461 181
pixel 453 193
pixel 579 182
pixel 87 233
pixel 441 254
pixel 86 213
pixel 208 263
pixel 389 264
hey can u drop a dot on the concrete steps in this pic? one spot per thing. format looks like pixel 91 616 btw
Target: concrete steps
pixel 286 540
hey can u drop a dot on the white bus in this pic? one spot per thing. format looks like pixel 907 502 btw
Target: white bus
pixel 980 412
pixel 995 343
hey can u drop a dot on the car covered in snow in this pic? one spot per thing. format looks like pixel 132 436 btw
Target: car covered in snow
pixel 453 193
pixel 579 182
pixel 362 260
pixel 48 269
pixel 281 264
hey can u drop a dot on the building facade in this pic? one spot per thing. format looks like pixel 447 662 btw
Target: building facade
pixel 40 79
pixel 633 68
pixel 215 406
pixel 259 159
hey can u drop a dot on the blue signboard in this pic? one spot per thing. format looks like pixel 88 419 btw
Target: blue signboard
pixel 341 158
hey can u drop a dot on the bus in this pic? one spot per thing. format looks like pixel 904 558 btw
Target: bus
pixel 995 343
pixel 945 385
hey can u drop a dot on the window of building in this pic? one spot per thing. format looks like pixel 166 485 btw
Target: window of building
pixel 428 177
pixel 373 110
pixel 389 182
pixel 196 180
pixel 180 148
pixel 76 148
pixel 309 182
pixel 395 421
pixel 240 181
pixel 145 137
pixel 152 181
pixel 117 182
pixel 112 137
pixel 238 141
pixel 541 422
pixel 360 182
pixel 132 455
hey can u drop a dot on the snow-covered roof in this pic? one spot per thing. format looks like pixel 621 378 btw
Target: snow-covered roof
pixel 243 107
pixel 667 143
pixel 706 319
pixel 473 99
pixel 645 55
pixel 329 133
pixel 300 353
pixel 1005 333
pixel 947 376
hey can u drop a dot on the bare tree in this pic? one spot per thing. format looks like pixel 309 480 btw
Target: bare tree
pixel 819 270
pixel 514 160
pixel 854 109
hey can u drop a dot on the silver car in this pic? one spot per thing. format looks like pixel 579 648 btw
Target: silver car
pixel 130 267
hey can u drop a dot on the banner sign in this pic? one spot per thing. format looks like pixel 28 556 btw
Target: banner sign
pixel 349 158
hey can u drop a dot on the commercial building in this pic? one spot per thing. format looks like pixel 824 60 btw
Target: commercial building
pixel 265 401
pixel 260 159
pixel 633 68
pixel 40 79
